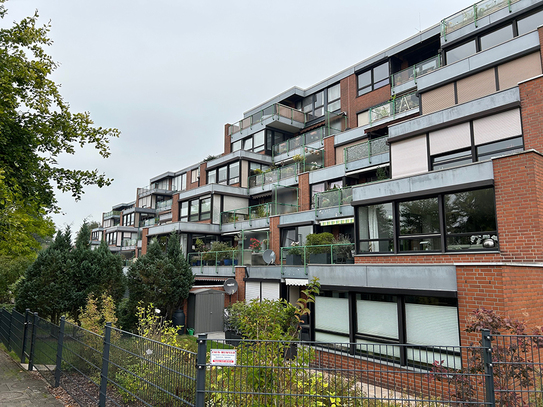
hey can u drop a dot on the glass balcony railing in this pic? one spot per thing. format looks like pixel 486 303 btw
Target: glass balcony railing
pixel 129 242
pixel 473 13
pixel 149 222
pixel 413 72
pixel 156 187
pixel 257 212
pixel 281 173
pixel 303 256
pixel 111 214
pixel 366 149
pixel 332 198
pixel 393 107
pixel 276 109
pixel 164 205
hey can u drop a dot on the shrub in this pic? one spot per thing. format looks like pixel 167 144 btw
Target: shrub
pixel 318 239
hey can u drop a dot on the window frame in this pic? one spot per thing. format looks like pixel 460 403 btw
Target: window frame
pixel 373 84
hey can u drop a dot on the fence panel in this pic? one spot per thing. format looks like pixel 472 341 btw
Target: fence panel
pixel 151 372
pixel 45 347
pixel 4 327
pixel 17 332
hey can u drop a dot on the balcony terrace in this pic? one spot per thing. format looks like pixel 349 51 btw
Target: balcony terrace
pixel 407 78
pixel 112 214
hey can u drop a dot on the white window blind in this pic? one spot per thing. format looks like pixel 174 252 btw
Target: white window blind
pixel 332 314
pixel 252 290
pixel 450 139
pixel 497 127
pixel 270 291
pixel 387 323
pixel 432 325
pixel 409 157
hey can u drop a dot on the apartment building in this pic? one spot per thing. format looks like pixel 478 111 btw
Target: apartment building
pixel 425 164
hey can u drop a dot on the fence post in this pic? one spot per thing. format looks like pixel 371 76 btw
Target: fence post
pixel 32 342
pixel 9 330
pixel 105 366
pixel 25 329
pixel 489 370
pixel 201 370
pixel 60 344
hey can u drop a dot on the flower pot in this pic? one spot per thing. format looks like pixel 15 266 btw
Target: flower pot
pixel 319 258
pixel 294 260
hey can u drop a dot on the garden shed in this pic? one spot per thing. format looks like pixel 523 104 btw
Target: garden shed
pixel 206 310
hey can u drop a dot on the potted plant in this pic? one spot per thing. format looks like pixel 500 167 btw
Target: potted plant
pixel 319 247
pixel 343 253
pixel 294 254
pixel 221 252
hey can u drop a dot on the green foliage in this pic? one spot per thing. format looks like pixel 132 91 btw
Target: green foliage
pixel 161 278
pixel 36 128
pixel 11 269
pixel 97 312
pixel 317 239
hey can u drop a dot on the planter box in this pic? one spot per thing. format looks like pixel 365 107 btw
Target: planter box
pixel 294 260
pixel 320 258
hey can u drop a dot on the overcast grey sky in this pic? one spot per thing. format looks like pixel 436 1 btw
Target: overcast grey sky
pixel 169 74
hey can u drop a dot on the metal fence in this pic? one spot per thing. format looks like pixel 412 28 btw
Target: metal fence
pixel 123 369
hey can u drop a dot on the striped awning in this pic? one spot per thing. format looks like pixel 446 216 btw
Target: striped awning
pixel 342 221
pixel 296 281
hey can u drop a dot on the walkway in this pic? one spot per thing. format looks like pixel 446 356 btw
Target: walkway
pixel 21 388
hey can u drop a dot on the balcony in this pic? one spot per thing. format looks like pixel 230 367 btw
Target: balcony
pixel 164 205
pixel 472 14
pixel 257 212
pixel 112 214
pixel 287 171
pixel 407 78
pixel 303 256
pixel 149 222
pixel 156 188
pixel 283 117
pixel 333 198
pixel 126 243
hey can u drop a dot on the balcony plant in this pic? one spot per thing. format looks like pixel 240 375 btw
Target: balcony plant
pixel 343 253
pixel 319 247
pixel 219 252
pixel 295 254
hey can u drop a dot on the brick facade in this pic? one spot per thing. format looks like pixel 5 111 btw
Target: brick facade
pixel 304 192
pixel 329 152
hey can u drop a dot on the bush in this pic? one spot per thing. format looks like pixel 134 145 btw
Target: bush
pixel 318 239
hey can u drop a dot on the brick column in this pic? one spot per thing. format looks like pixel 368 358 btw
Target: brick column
pixel 175 208
pixel 144 240
pixel 531 100
pixel 275 238
pixel 304 192
pixel 240 275
pixel 203 174
pixel 329 152
pixel 227 139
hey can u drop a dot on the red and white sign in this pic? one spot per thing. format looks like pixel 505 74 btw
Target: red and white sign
pixel 223 357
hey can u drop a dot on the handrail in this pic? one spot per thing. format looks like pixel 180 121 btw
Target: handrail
pixel 340 253
pixel 414 71
pixel 366 149
pixel 281 173
pixel 164 204
pixel 256 212
pixel 214 258
pixel 276 109
pixel 111 213
pixel 331 198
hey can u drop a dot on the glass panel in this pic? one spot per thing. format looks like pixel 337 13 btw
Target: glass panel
pixel 431 324
pixel 364 79
pixel 375 227
pixel 497 37
pixel 194 210
pixel 332 314
pixel 452 160
pixel 184 211
pixel 319 99
pixel 212 177
pixel 248 144
pixel 223 174
pixel 234 170
pixel 308 104
pixel 334 92
pixel 419 217
pixel 236 146
pixel 420 244
pixel 334 106
pixel 530 23
pixel 259 138
pixel 461 52
pixel 206 205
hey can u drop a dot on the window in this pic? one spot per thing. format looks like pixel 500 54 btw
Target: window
pixel 200 209
pixel 496 37
pixel 128 220
pixel 258 141
pixel 373 79
pixel 233 173
pixel 145 202
pixel 236 145
pixel 212 176
pixel 334 102
pixel 468 219
pixel 184 212
pixel 375 228
pixel 225 175
pixel 461 52
pixel 248 144
pixel 530 23
pixel 111 238
pixel 180 182
pixel 419 228
pixel 195 175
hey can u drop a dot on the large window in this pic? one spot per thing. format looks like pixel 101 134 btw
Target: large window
pixel 200 209
pixel 423 321
pixel 184 211
pixel 225 175
pixel 327 100
pixel 128 220
pixel 448 222
pixel 180 182
pixel 372 79
pixel 334 95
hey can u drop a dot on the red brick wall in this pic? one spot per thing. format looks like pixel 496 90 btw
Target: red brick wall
pixel 175 208
pixel 351 103
pixel 190 184
pixel 329 152
pixel 304 191
pixel 144 239
pixel 531 100
pixel 203 174
pixel 240 275
pixel 275 237
pixel 227 140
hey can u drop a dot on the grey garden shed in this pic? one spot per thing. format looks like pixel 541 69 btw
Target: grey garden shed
pixel 206 310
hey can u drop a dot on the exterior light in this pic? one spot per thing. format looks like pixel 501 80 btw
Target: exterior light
pixel 489 243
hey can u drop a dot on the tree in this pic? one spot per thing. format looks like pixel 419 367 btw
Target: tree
pixel 36 127
pixel 47 284
pixel 163 278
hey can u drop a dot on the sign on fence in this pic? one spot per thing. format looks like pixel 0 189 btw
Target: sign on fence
pixel 223 357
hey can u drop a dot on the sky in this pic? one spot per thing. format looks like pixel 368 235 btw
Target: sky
pixel 169 74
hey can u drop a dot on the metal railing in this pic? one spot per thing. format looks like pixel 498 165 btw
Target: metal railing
pixel 257 212
pixel 120 368
pixel 155 187
pixel 367 149
pixel 149 222
pixel 472 14
pixel 281 173
pixel 413 72
pixel 111 214
pixel 162 206
pixel 332 198
pixel 276 109
pixel 303 256
pixel 216 259
pixel 129 242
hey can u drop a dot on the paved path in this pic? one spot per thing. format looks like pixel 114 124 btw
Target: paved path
pixel 20 388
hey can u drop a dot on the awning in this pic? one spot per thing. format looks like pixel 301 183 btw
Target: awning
pixel 296 281
pixel 342 221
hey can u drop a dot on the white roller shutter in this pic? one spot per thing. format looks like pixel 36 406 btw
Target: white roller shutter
pixel 497 127
pixel 270 291
pixel 252 290
pixel 409 157
pixel 450 139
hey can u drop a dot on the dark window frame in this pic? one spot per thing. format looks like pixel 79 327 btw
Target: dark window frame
pixel 373 84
